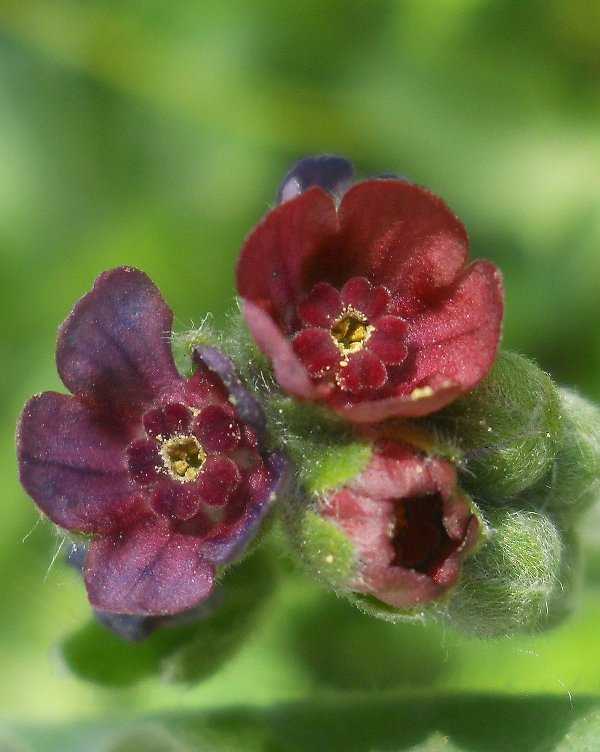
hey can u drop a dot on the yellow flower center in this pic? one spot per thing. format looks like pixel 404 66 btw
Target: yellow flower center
pixel 183 457
pixel 351 331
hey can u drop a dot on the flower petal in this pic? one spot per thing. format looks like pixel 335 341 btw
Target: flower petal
pixel 370 300
pixel 275 268
pixel 248 408
pixel 317 351
pixel 217 430
pixel 114 349
pixel 402 236
pixel 218 480
pixel 148 570
pixel 458 338
pixel 74 465
pixel 290 372
pixel 334 174
pixel 167 420
pixel 364 372
pixel 175 500
pixel 321 307
pixel 255 497
pixel 388 341
pixel 143 461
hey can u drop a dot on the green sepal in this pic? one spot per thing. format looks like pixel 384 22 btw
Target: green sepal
pixel 371 606
pixel 507 429
pixel 324 549
pixel 253 364
pixel 572 483
pixel 521 580
pixel 326 451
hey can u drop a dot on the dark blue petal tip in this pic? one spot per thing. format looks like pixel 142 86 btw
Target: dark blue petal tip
pixel 333 174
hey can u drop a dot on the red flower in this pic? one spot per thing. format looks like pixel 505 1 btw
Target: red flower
pixel 410 523
pixel 361 299
pixel 164 472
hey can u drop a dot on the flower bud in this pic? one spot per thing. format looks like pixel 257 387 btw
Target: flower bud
pixel 507 428
pixel 572 483
pixel 394 537
pixel 521 580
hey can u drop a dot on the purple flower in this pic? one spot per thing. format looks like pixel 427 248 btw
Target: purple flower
pixel 163 472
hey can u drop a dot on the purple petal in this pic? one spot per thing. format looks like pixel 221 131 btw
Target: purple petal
pixel 229 542
pixel 114 349
pixel 247 406
pixel 333 174
pixel 217 481
pixel 147 570
pixel 74 465
pixel 143 460
pixel 175 500
pixel 167 420
pixel 217 430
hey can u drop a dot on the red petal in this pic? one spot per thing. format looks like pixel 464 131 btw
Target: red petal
pixel 217 430
pixel 114 349
pixel 147 570
pixel 388 341
pixel 395 471
pixel 364 371
pixel 290 373
pixel 321 307
pixel 273 271
pixel 421 401
pixel 458 338
pixel 364 297
pixel 74 465
pixel 317 351
pixel 218 479
pixel 402 236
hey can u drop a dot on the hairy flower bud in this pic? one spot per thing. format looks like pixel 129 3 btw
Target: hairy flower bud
pixel 521 580
pixel 507 428
pixel 572 483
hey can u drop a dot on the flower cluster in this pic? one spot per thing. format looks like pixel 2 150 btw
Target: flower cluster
pixel 377 421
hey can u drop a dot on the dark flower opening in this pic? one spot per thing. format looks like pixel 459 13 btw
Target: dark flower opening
pixel 183 457
pixel 351 331
pixel 410 523
pixel 420 539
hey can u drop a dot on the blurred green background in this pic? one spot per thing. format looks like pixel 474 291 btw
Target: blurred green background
pixel 155 133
